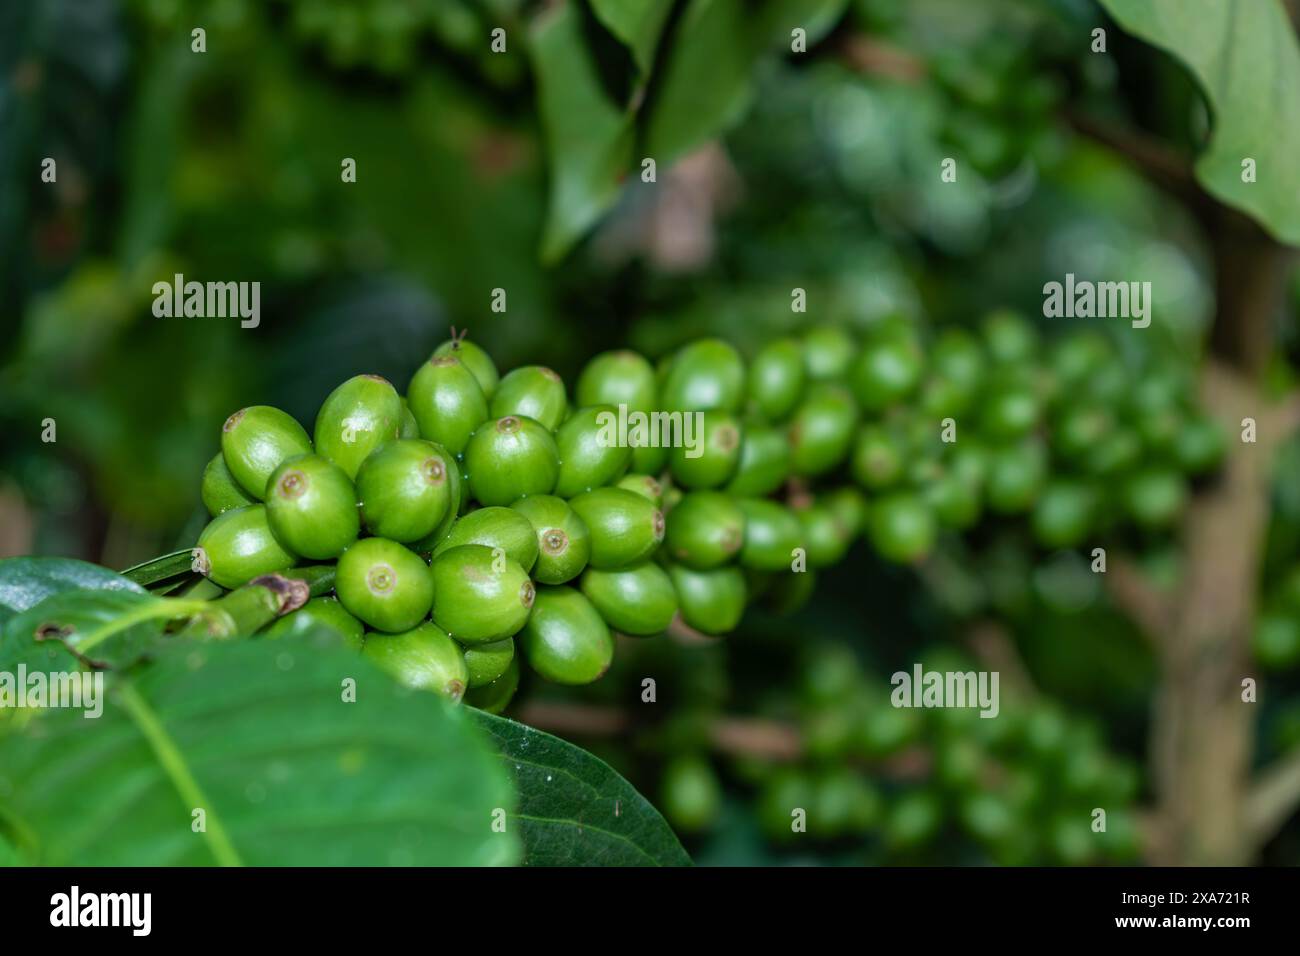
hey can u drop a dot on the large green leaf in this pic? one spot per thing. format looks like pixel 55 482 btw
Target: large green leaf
pixel 588 137
pixel 110 628
pixel 637 23
pixel 257 735
pixel 1246 58
pixel 26 582
pixel 705 85
pixel 574 810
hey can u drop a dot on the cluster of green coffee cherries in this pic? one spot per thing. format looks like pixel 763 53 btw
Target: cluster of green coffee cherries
pixel 479 512
pixel 899 785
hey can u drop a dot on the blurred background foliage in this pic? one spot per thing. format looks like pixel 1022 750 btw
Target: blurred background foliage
pixel 522 170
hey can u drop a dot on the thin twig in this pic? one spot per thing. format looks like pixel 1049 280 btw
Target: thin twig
pixel 1273 798
pixel 1160 164
pixel 994 647
pixel 1140 598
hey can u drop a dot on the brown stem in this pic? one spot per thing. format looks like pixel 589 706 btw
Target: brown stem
pixel 1273 798
pixel 994 647
pixel 756 737
pixel 1139 597
pixel 1202 732
pixel 876 57
pixel 1155 160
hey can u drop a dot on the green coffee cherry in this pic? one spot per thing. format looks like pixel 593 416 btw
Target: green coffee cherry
pixel 955 501
pixel 219 490
pixel 714 456
pixel 384 584
pixel 1080 428
pixel 1064 513
pixel 1154 497
pixel 480 595
pixel 447 402
pixel 487 662
pixel 959 360
pixel 828 353
pixel 902 527
pixel 913 820
pixel 494 697
pixel 565 639
pixel 787 593
pixel 405 489
pixel 1075 357
pixel 457 498
pixel 312 507
pixel 562 540
pixel 772 533
pixel 690 794
pixel 1200 445
pixel 649 460
pixel 821 430
pixel 789 788
pixel 704 376
pixel 495 527
pixel 410 428
pixel 616 378
pixel 255 441
pixel 824 536
pixel 1015 477
pixel 776 378
pixel 705 530
pixel 1008 412
pixel 478 362
pixel 238 545
pixel 764 462
pixel 533 391
pixel 355 419
pixel 1116 453
pixel 1009 337
pixel 713 601
pixel 510 458
pixel 590 455
pixel 878 457
pixel 638 601
pixel 625 527
pixel 644 485
pixel 887 371
pixel 424 658
pixel 1275 641
pixel 850 507
pixel 319 612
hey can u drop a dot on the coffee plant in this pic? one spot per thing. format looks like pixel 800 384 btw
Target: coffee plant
pixel 769 414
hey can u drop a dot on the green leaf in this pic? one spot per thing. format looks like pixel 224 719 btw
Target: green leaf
pixel 259 736
pixel 705 83
pixel 1245 56
pixel 636 23
pixel 574 810
pixel 588 137
pixel 8 853
pixel 26 582
pixel 101 628
pixel 815 17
